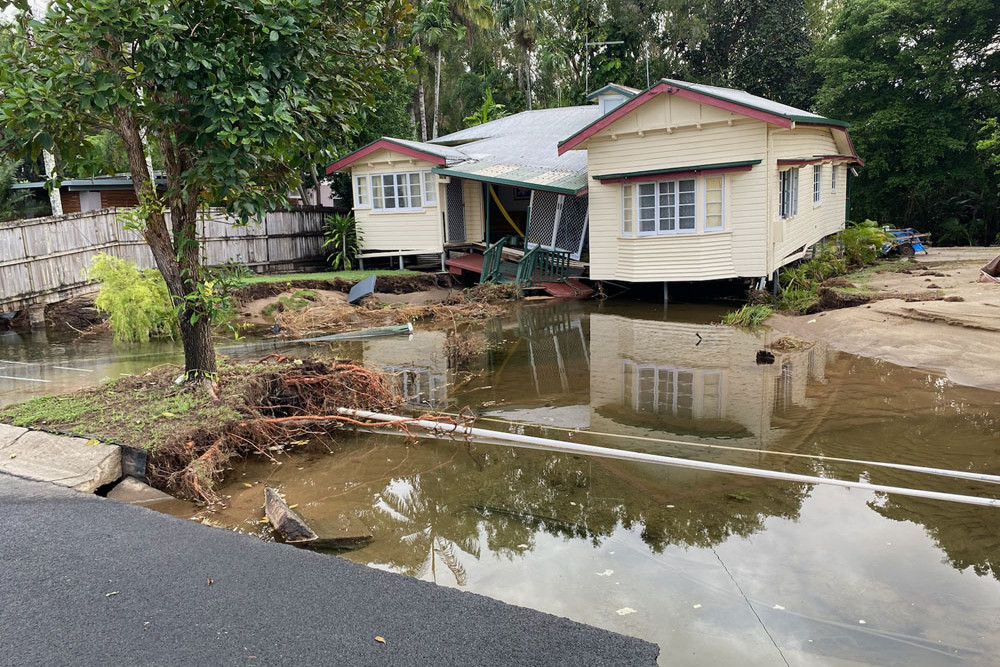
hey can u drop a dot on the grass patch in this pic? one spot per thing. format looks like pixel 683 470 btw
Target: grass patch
pixel 749 316
pixel 327 275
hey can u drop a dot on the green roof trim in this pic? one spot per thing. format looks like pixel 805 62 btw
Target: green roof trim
pixel 530 185
pixel 673 170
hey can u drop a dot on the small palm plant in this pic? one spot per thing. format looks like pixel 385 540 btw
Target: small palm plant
pixel 342 239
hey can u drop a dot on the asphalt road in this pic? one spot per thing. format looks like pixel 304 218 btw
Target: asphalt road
pixel 89 581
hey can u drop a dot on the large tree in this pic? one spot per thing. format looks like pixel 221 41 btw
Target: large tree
pixel 918 79
pixel 240 96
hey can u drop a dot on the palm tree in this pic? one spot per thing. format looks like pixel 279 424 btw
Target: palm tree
pixel 434 25
pixel 520 18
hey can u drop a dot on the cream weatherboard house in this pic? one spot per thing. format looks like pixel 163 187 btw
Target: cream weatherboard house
pixel 679 182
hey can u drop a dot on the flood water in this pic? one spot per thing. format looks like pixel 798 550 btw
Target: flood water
pixel 716 569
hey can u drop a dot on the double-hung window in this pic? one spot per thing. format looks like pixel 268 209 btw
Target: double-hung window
pixel 397 192
pixel 666 207
pixel 361 198
pixel 627 209
pixel 713 204
pixel 788 194
pixel 430 188
pixel 817 184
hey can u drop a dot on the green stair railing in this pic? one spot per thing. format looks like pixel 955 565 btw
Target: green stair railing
pixel 551 266
pixel 491 263
pixel 526 267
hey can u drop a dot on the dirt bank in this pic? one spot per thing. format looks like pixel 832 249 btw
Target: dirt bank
pixel 304 312
pixel 956 333
pixel 191 432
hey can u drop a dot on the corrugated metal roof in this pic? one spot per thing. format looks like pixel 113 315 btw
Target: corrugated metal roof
pixel 746 99
pixel 522 149
pixel 96 182
pixel 446 152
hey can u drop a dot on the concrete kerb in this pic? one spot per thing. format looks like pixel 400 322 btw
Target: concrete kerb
pixel 76 463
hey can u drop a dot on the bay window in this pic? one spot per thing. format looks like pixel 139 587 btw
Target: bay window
pixel 671 207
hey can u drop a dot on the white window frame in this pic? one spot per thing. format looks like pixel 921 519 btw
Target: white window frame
pixel 722 204
pixel 833 178
pixel 659 390
pixel 430 188
pixel 362 200
pixel 788 193
pixel 403 203
pixel 660 191
pixel 817 184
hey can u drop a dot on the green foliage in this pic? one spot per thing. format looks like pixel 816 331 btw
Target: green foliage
pixel 917 80
pixel 861 243
pixel 136 300
pixel 343 239
pixel 490 110
pixel 758 46
pixel 749 316
pixel 12 202
pixel 213 297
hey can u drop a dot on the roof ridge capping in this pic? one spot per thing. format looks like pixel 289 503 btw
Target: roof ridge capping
pixel 731 99
pixel 627 91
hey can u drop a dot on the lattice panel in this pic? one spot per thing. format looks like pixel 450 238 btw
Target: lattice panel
pixel 572 225
pixel 455 200
pixel 543 217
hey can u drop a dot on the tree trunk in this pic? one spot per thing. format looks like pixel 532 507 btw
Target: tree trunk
pixel 527 75
pixel 422 108
pixel 55 197
pixel 177 258
pixel 317 193
pixel 437 93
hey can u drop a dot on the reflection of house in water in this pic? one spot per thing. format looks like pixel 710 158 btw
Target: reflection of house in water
pixel 557 348
pixel 693 379
pixel 418 365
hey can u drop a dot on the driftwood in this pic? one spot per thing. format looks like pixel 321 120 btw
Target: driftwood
pixel 294 530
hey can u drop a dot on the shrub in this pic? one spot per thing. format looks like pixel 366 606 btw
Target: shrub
pixel 136 300
pixel 343 239
pixel 861 243
pixel 749 316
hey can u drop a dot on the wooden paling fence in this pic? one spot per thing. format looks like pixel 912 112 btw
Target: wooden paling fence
pixel 44 260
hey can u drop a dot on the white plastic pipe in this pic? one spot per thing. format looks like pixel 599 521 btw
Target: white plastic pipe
pixel 959 474
pixel 548 444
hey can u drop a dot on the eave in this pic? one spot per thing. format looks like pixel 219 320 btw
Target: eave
pixel 678 172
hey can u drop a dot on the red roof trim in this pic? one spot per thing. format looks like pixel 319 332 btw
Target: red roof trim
pixel 662 87
pixel 676 175
pixel 387 144
pixel 609 118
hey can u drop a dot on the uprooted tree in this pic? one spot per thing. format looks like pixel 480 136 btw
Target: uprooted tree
pixel 239 96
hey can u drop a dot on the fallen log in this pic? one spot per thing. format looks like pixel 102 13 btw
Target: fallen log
pixel 292 528
pixel 342 533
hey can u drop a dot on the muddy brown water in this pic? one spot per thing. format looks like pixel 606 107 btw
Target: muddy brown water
pixel 716 569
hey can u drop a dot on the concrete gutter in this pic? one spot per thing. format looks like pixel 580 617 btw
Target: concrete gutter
pixel 76 463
